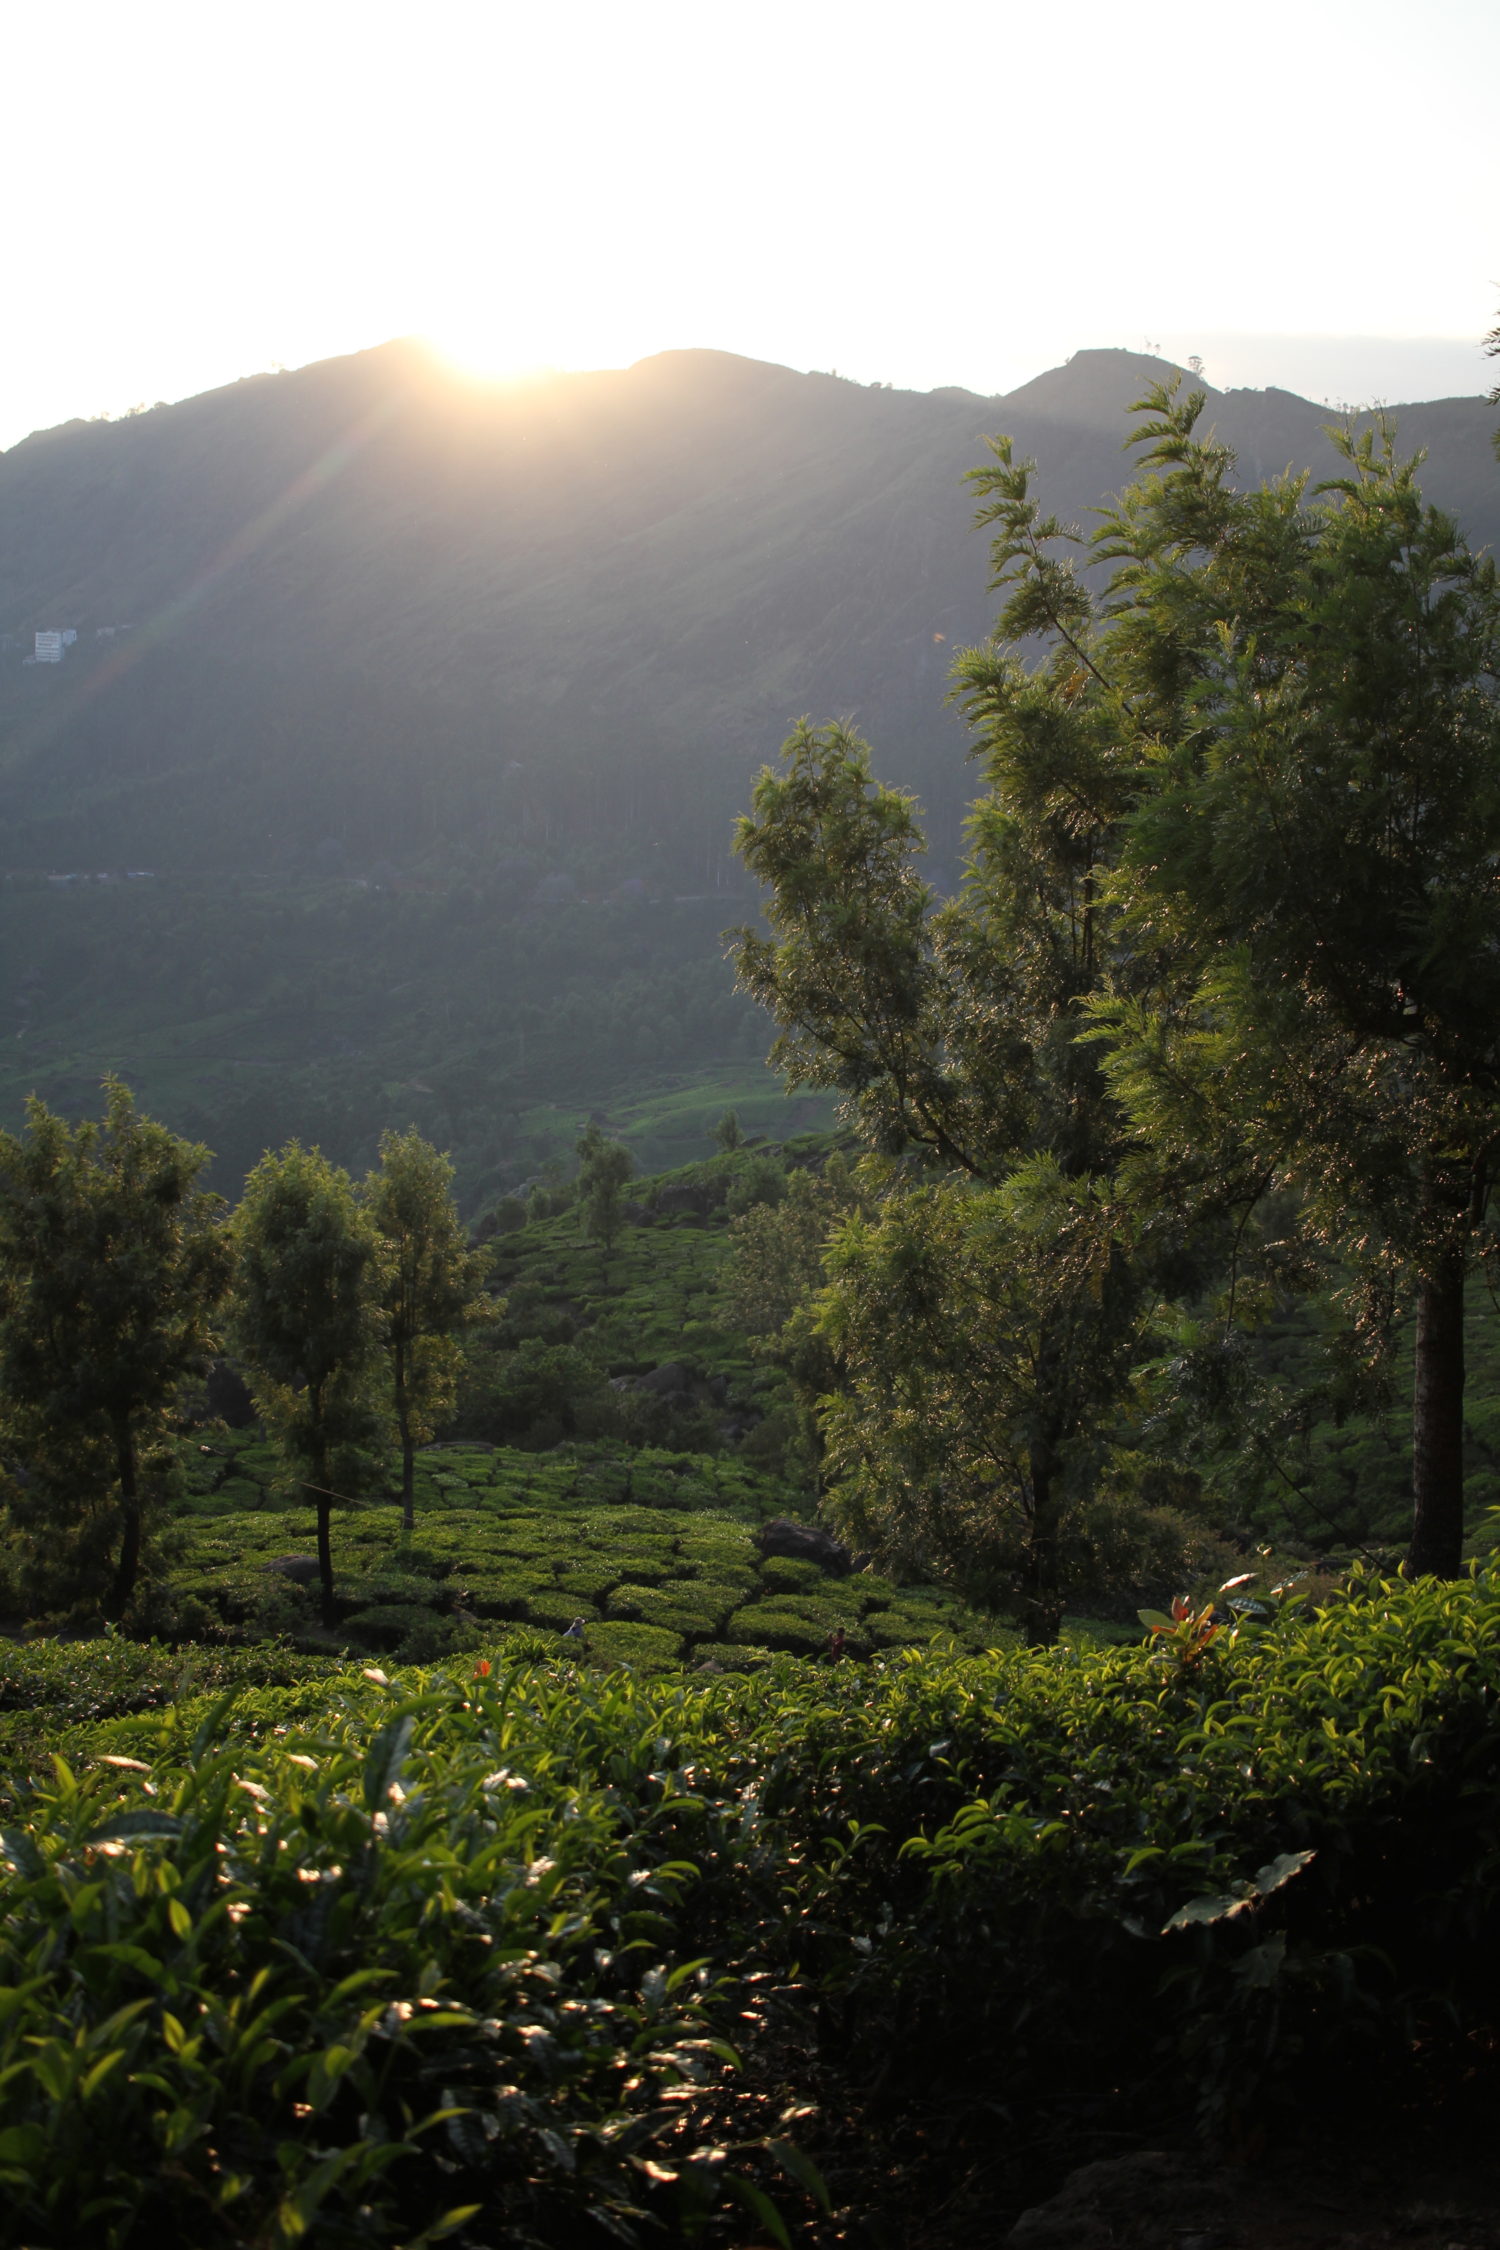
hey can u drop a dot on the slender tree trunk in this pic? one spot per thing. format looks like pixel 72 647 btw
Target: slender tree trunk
pixel 1041 1603
pixel 324 1506
pixel 325 1557
pixel 408 1449
pixel 130 1511
pixel 1437 1453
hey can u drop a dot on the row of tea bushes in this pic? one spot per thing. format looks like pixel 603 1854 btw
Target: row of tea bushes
pixel 236 1470
pixel 385 1949
pixel 651 1586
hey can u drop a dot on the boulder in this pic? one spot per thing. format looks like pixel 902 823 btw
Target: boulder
pixel 804 1542
pixel 668 1380
pixel 682 1196
pixel 303 1569
pixel 1147 2197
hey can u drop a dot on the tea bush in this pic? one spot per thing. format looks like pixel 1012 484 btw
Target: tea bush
pixel 537 1550
pixel 414 1969
pixel 352 1954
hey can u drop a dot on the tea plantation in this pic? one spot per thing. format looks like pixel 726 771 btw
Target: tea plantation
pixel 654 1552
pixel 511 1951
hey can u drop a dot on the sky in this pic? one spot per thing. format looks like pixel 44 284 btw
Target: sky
pixel 1303 192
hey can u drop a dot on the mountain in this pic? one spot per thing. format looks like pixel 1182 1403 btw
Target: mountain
pixel 377 608
pixel 422 709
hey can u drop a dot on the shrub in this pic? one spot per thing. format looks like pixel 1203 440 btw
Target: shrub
pixel 200 1973
pixel 644 1647
pixel 797 1628
pixel 790 1574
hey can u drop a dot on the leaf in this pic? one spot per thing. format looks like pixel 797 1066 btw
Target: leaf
pixel 1154 1618
pixel 209 1725
pixel 100 2072
pixel 449 2223
pixel 22 1852
pixel 760 2205
pixel 1217 1908
pixel 385 1758
pixel 800 2167
pixel 23 2144
pixel 1279 1871
pixel 142 1821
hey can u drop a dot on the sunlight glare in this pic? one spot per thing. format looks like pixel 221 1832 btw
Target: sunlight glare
pixel 489 352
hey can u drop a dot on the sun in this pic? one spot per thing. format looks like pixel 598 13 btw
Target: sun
pixel 488 352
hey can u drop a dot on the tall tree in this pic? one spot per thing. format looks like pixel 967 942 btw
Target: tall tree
pixel 1318 855
pixel 307 1321
pixel 1302 913
pixel 985 1336
pixel 429 1286
pixel 113 1264
pixel 952 1032
pixel 604 1169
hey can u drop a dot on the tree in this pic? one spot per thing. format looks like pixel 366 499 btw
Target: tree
pixel 1302 913
pixel 429 1287
pixel 770 1281
pixel 953 1033
pixel 986 1334
pixel 113 1263
pixel 1231 923
pixel 604 1167
pixel 727 1134
pixel 307 1321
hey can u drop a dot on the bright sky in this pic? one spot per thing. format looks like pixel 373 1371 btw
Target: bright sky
pixel 1304 191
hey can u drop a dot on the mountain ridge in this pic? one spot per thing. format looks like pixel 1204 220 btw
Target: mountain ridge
pixel 362 594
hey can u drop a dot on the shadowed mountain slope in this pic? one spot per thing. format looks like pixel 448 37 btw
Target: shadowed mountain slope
pixel 431 705
pixel 378 608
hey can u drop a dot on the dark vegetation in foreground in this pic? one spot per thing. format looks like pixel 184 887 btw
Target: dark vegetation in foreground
pixel 510 1952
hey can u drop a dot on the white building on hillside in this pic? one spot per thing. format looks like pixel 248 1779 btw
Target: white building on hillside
pixel 49 648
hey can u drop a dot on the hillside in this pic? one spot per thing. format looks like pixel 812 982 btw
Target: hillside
pixel 421 710
pixel 378 609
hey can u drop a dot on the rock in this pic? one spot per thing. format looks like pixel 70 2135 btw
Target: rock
pixel 668 1380
pixel 302 1568
pixel 804 1542
pixel 682 1196
pixel 1145 2198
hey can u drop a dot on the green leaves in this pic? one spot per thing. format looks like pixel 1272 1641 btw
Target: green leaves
pixel 385 1759
pixel 1246 1896
pixel 1008 1850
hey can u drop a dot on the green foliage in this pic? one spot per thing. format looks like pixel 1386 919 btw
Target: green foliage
pixel 306 1323
pixel 1314 695
pixel 316 1939
pixel 952 1034
pixel 647 1538
pixel 428 1289
pixel 604 1167
pixel 265 1998
pixel 112 1266
pixel 985 1334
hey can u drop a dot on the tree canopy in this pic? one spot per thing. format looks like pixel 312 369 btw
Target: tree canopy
pixel 1229 933
pixel 113 1264
pixel 307 1325
pixel 428 1288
